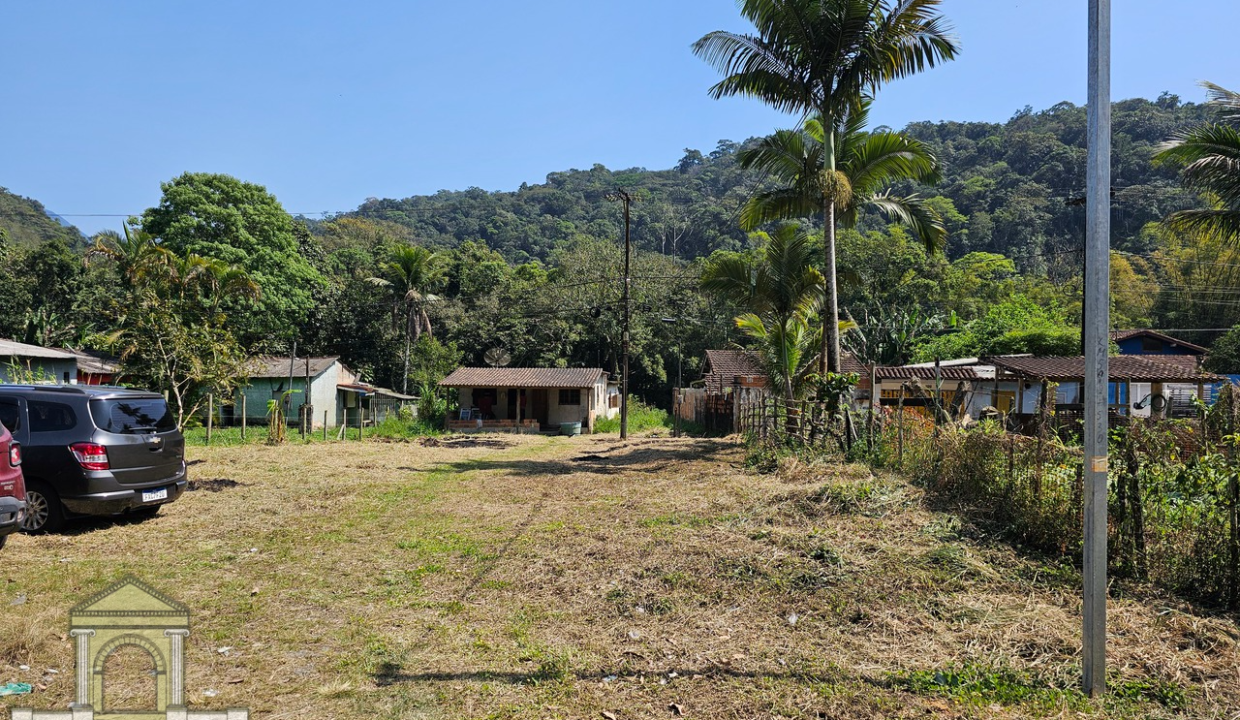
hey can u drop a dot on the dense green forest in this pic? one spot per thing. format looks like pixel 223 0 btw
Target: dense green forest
pixel 536 271
pixel 1015 188
pixel 25 221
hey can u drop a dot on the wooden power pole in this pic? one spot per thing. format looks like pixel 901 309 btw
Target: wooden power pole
pixel 627 199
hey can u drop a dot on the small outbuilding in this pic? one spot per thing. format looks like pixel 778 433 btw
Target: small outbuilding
pixel 96 368
pixel 22 363
pixel 530 399
pixel 271 376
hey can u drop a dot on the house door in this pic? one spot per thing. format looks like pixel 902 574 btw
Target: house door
pixel 538 405
pixel 1005 401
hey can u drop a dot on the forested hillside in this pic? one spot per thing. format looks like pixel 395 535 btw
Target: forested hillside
pixel 1015 189
pixel 25 221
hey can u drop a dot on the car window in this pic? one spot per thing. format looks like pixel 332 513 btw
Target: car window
pixel 50 416
pixel 11 416
pixel 128 416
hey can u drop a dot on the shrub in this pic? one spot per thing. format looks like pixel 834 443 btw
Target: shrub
pixel 642 417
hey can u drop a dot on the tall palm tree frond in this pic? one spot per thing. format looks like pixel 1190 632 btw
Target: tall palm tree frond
pixel 867 161
pixel 1227 100
pixel 911 212
pixel 811 55
pixel 1209 160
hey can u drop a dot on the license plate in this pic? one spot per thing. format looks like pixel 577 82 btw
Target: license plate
pixel 153 495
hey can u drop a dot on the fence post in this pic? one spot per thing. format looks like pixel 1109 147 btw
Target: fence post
pixel 324 426
pixel 243 414
pixel 1233 518
pixel 361 421
pixel 900 428
pixel 676 412
pixel 874 398
pixel 210 414
pixel 1011 460
pixel 736 404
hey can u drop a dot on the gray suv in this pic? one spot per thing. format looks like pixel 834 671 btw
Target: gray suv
pixel 89 450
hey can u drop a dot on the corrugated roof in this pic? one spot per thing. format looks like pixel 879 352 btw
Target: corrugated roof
pixel 921 372
pixel 1122 335
pixel 11 348
pixel 538 378
pixel 96 364
pixel 368 389
pixel 1136 368
pixel 274 366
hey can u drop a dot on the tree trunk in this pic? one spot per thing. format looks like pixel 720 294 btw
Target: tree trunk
pixel 404 386
pixel 831 313
pixel 830 360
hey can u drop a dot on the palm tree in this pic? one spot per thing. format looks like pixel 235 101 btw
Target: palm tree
pixel 411 272
pixel 135 253
pixel 1210 158
pixel 781 289
pixel 868 161
pixel 823 58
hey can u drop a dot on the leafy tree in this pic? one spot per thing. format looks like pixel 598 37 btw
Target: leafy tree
pixel 890 335
pixel 1224 356
pixel 171 333
pixel 823 58
pixel 1013 327
pixel 239 223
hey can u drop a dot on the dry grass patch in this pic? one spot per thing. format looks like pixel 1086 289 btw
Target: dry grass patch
pixel 554 577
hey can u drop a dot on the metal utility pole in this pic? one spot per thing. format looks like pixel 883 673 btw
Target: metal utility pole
pixel 1097 309
pixel 627 199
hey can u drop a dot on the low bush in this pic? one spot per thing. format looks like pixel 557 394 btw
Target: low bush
pixel 642 417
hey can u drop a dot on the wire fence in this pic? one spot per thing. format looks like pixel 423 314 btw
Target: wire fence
pixel 1174 485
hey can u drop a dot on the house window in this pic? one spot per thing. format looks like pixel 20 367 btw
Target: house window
pixel 1151 345
pixel 570 397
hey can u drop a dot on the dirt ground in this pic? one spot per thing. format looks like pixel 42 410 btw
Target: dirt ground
pixel 533 577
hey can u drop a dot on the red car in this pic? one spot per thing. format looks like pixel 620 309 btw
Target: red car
pixel 12 486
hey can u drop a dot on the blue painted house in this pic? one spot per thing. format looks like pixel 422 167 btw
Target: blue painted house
pixel 1152 342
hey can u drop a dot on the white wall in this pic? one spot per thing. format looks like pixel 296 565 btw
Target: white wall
pixel 323 395
pixel 557 413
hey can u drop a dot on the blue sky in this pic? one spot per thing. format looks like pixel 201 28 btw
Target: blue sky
pixel 328 103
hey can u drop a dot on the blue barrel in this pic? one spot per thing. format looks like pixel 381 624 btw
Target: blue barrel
pixel 570 429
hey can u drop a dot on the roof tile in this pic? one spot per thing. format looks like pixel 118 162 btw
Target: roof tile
pixel 537 378
pixel 1138 368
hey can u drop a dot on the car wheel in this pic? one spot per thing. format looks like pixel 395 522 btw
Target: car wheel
pixel 3 540
pixel 43 510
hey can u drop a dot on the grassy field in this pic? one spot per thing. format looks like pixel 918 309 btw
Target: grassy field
pixel 535 577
